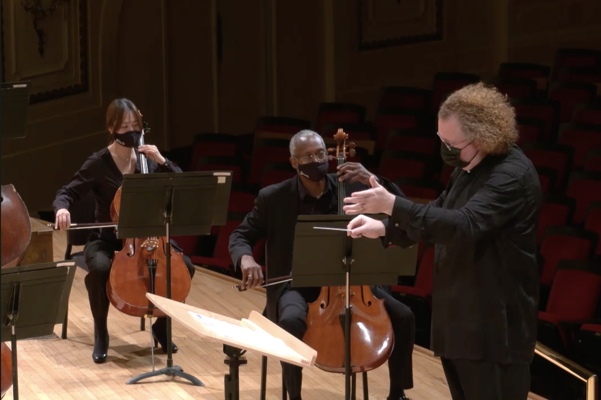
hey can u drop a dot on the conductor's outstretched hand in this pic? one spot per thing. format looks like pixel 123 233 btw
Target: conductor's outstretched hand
pixel 370 201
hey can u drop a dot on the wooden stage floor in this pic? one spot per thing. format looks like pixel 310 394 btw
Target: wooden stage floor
pixel 53 368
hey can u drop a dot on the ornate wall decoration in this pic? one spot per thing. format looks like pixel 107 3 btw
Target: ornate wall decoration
pixel 46 42
pixel 388 23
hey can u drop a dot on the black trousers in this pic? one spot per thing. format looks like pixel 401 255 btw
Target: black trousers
pixel 486 380
pixel 98 257
pixel 292 315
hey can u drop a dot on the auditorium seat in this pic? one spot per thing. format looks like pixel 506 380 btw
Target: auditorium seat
pixel 585 188
pixel 405 97
pixel 330 113
pixel 551 155
pixel 556 210
pixel 581 137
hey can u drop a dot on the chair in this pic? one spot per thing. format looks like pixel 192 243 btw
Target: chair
pixel 424 189
pixel 402 164
pixel 543 109
pixel 592 161
pixel 284 125
pixel 581 137
pixel 267 151
pixel 567 94
pixel 337 113
pixel 405 97
pixel 213 144
pixel 523 70
pixel 82 211
pixel 551 155
pixel 564 243
pixel 276 172
pixel 548 179
pixel 364 131
pixel 573 299
pixel 588 344
pixel 515 87
pixel 587 112
pixel 395 118
pixel 585 188
pixel 593 222
pixel 579 74
pixel 241 202
pixel 419 296
pixel 446 83
pixel 575 58
pixel 212 163
pixel 556 210
pixel 413 140
pixel 531 130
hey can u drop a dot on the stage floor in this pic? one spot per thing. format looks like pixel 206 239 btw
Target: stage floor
pixel 53 368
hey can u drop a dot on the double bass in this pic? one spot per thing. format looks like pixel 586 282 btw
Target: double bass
pixel 140 267
pixel 16 235
pixel 371 334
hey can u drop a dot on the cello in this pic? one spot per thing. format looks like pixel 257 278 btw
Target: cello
pixel 16 235
pixel 371 334
pixel 140 267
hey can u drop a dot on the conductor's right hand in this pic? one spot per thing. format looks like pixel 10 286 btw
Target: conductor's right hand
pixel 252 274
pixel 63 219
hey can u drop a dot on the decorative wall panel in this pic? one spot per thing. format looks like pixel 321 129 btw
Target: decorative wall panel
pixel 46 42
pixel 387 23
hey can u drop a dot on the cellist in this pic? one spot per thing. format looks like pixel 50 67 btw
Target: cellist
pixel 274 216
pixel 102 173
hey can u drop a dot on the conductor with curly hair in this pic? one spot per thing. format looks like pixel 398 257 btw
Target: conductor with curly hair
pixel 485 278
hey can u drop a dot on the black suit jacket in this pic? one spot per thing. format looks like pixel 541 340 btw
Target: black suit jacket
pixel 274 218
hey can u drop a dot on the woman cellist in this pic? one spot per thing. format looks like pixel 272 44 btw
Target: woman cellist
pixel 102 173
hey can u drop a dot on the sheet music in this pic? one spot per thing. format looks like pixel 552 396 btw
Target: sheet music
pixel 232 331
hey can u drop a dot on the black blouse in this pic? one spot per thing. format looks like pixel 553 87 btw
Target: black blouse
pixel 100 174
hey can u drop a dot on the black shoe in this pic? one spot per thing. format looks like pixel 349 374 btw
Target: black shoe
pixel 163 343
pixel 101 347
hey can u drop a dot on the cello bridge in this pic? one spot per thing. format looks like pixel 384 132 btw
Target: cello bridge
pixel 341 292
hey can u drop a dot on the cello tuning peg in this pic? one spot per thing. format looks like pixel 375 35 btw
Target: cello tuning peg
pixel 330 149
pixel 352 153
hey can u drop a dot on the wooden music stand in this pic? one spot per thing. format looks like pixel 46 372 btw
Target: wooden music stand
pixel 255 333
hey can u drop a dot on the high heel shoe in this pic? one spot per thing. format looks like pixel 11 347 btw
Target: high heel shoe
pixel 163 343
pixel 101 347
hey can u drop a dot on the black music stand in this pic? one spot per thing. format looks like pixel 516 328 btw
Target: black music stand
pixel 15 103
pixel 325 257
pixel 166 204
pixel 31 296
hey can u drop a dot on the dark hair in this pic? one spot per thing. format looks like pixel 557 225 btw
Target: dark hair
pixel 117 109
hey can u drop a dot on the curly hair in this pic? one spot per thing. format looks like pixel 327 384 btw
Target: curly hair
pixel 485 116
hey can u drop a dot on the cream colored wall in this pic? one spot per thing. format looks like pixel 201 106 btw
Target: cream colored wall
pixel 61 133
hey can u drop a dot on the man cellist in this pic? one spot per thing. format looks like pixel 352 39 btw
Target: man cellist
pixel 274 216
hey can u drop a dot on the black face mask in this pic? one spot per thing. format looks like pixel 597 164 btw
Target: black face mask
pixel 452 156
pixel 314 171
pixel 128 139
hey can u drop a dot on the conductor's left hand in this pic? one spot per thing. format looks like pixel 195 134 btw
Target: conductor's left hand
pixel 370 201
pixel 152 153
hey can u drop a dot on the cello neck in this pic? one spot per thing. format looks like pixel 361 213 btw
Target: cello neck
pixel 341 186
pixel 143 160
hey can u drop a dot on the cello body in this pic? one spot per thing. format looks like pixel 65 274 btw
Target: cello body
pixel 7 369
pixel 371 334
pixel 16 227
pixel 130 276
pixel 372 339
pixel 16 235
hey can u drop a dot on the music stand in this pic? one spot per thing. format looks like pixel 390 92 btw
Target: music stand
pixel 15 102
pixel 179 204
pixel 31 297
pixel 324 258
